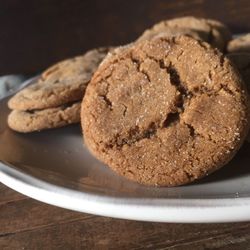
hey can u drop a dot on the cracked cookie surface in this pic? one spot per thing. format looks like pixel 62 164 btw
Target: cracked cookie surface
pixel 165 112
pixel 208 30
pixel 36 120
pixel 62 83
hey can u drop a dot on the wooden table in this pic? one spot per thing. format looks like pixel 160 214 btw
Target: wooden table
pixel 34 34
pixel 29 224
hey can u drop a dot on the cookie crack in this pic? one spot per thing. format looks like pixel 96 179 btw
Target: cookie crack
pixel 107 100
pixel 172 118
pixel 226 89
pixel 125 110
pixel 175 80
pixel 134 135
pixel 137 63
pixel 105 97
pixel 193 133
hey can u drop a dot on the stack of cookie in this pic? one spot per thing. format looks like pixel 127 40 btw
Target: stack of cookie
pixel 54 98
pixel 164 110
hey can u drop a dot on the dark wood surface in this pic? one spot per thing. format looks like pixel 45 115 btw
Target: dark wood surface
pixel 34 34
pixel 29 224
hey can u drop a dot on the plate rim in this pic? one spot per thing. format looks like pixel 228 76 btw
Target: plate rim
pixel 142 209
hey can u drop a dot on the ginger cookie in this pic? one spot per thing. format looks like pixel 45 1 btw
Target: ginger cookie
pixel 36 120
pixel 62 83
pixel 208 30
pixel 165 112
pixel 239 44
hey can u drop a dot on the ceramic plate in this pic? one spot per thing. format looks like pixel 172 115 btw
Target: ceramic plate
pixel 55 167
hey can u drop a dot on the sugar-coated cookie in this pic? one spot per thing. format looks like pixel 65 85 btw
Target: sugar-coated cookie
pixel 165 111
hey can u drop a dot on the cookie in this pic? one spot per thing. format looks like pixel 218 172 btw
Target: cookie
pixel 161 30
pixel 165 112
pixel 36 120
pixel 239 44
pixel 242 61
pixel 211 31
pixel 62 83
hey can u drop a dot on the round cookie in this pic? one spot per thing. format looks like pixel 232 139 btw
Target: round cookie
pixel 211 31
pixel 62 83
pixel 239 44
pixel 29 121
pixel 165 112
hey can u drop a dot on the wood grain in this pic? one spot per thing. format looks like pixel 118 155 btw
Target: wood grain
pixel 8 195
pixel 35 34
pixel 35 215
pixel 40 226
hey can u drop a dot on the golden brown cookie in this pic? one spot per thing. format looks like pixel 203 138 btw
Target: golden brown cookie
pixel 208 30
pixel 239 44
pixel 36 120
pixel 62 83
pixel 165 112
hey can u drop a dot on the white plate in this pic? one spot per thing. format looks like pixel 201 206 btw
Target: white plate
pixel 54 167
